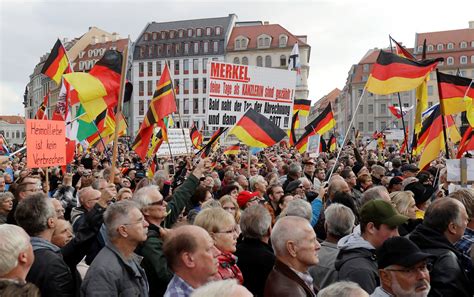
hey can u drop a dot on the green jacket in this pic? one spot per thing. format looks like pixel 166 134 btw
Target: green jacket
pixel 154 261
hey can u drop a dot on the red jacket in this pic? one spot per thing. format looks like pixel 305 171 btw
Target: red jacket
pixel 228 268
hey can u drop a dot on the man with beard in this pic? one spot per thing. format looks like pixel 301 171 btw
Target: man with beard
pixel 403 269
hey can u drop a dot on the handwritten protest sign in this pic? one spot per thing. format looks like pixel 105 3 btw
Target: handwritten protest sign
pixel 233 89
pixel 45 142
pixel 177 143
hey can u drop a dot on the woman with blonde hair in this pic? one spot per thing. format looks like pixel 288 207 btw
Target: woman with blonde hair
pixel 221 226
pixel 404 203
pixel 230 205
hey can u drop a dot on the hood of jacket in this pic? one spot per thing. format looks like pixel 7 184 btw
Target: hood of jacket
pixel 351 247
pixel 354 241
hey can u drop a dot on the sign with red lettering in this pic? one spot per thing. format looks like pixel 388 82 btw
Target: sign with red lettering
pixel 45 143
pixel 233 89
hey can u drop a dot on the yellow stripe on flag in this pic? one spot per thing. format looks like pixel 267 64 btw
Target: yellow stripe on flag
pixel 246 138
pixel 392 85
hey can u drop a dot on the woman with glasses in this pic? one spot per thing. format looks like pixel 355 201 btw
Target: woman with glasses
pixel 222 228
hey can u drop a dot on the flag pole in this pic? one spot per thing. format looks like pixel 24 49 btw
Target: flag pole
pixel 347 131
pixel 442 116
pixel 119 109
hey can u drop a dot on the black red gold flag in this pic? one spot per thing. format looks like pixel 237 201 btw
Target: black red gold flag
pixel 323 122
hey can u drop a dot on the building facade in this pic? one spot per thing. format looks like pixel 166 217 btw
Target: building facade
pixel 187 46
pixel 13 129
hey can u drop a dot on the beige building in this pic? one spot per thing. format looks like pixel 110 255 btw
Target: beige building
pixel 13 129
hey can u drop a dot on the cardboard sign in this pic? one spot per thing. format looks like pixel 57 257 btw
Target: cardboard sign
pixel 313 145
pixel 46 143
pixel 233 89
pixel 177 143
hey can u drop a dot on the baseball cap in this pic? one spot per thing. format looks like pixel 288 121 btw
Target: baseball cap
pixel 396 180
pixel 244 197
pixel 381 212
pixel 400 251
pixel 410 167
pixel 293 186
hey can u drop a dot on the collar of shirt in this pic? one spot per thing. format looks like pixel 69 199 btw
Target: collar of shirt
pixel 178 288
pixel 305 277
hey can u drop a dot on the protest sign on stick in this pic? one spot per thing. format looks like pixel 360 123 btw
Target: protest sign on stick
pixel 45 142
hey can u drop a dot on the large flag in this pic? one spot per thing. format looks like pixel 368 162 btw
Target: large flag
pixel 303 106
pixel 255 130
pixel 162 104
pixel 196 137
pixel 57 63
pixel 332 143
pixel 452 91
pixel 294 59
pixel 323 122
pixel 212 143
pixel 392 73
pixel 232 149
pixel 292 135
pixel 396 111
pixel 467 142
pixel 41 113
pixel 302 144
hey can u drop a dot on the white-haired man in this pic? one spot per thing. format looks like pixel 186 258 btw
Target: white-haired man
pixel 16 253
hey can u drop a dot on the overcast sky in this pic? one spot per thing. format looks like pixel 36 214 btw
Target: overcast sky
pixel 339 32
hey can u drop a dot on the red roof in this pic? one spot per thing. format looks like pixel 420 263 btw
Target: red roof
pixel 329 98
pixel 13 119
pixel 445 37
pixel 252 32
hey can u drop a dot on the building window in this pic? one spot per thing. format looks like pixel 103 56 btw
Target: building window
pixel 366 68
pixel 218 31
pixel 371 126
pixel 215 45
pixel 361 126
pixel 186 48
pixel 430 48
pixel 154 35
pixel 195 66
pixel 186 66
pixel 145 36
pixel 450 45
pixel 208 31
pixel 149 87
pixel 259 61
pixel 195 85
pixel 168 49
pixel 463 59
pixel 176 86
pixel 172 34
pixel 177 48
pixel 463 44
pixel 150 68
pixel 420 48
pixel 150 50
pixel 180 33
pixel 361 109
pixel 205 47
pixel 282 60
pixel 268 61
pixel 204 65
pixel 196 47
pixel 158 68
pixel 160 50
pixel 204 85
pixel 371 109
pixel 186 86
pixel 440 47
pixel 236 60
pixel 237 44
pixel 140 69
pixel 203 105
pixel 282 41
pixel 141 107
pixel 190 32
pixel 383 108
pixel 245 61
pixel 198 32
pixel 450 61
pixel 185 106
pixel 472 60
pixel 430 90
pixel 195 106
pixel 176 67
pixel 141 87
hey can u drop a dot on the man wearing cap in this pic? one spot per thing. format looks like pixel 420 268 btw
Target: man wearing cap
pixel 246 199
pixel 356 260
pixel 409 170
pixel 309 169
pixel 403 269
pixel 395 184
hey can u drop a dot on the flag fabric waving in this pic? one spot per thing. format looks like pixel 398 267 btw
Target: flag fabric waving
pixel 196 137
pixel 212 143
pixel 332 143
pixel 452 91
pixel 396 111
pixel 322 145
pixel 467 142
pixel 303 106
pixel 292 135
pixel 255 130
pixel 302 144
pixel 392 73
pixel 294 59
pixel 232 149
pixel 57 63
pixel 41 113
pixel 402 51
pixel 323 122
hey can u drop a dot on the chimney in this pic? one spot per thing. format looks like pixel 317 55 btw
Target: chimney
pixel 266 23
pixel 471 24
pixel 115 36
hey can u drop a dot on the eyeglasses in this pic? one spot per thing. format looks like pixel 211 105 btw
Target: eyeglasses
pixel 160 203
pixel 414 270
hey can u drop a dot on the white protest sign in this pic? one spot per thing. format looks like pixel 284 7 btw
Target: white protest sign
pixel 313 145
pixel 176 140
pixel 454 170
pixel 233 89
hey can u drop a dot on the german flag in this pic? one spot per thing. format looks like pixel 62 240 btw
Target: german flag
pixel 292 135
pixel 232 149
pixel 41 113
pixel 322 145
pixel 57 63
pixel 392 73
pixel 162 104
pixel 302 144
pixel 324 122
pixel 332 143
pixel 108 70
pixel 255 130
pixel 402 51
pixel 196 137
pixel 467 142
pixel 212 143
pixel 303 106
pixel 452 91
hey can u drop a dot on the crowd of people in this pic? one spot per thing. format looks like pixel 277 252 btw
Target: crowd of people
pixel 277 223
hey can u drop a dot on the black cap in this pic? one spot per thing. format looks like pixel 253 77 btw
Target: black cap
pixel 292 186
pixel 400 251
pixel 421 192
pixel 396 180
pixel 410 167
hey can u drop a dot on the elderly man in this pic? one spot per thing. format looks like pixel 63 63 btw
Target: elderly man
pixel 116 270
pixel 296 249
pixel 339 223
pixel 16 253
pixel 158 212
pixel 243 182
pixel 375 193
pixel 356 258
pixel 88 197
pixel 403 269
pixel 192 255
pixel 465 245
pixel 258 184
pixel 256 257
pixel 378 172
pixel 444 224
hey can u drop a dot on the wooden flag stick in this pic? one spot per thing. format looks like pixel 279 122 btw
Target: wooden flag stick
pixel 119 110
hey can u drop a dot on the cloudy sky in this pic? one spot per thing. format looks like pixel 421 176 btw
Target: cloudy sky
pixel 339 31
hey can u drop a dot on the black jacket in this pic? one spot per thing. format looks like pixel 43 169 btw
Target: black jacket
pixel 448 278
pixel 255 260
